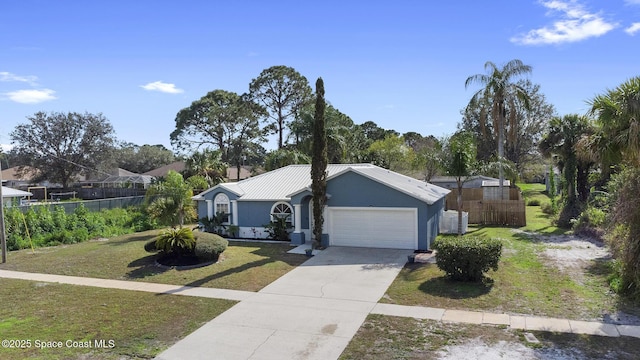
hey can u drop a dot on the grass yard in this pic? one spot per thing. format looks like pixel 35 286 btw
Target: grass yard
pixel 523 284
pixel 389 337
pixel 140 325
pixel 243 266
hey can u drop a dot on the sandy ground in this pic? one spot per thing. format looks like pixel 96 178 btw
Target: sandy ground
pixel 476 349
pixel 571 254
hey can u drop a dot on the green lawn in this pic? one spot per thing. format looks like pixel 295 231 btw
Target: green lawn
pixel 140 325
pixel 523 284
pixel 243 266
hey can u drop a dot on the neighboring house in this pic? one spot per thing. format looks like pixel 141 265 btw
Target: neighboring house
pixel 367 206
pixel 232 173
pixel 11 178
pixel 178 166
pixel 118 178
pixel 13 195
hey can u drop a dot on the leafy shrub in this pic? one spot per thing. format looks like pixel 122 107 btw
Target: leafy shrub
pixel 176 241
pixel 533 202
pixel 278 229
pixel 590 222
pixel 548 208
pixel 45 225
pixel 209 246
pixel 467 258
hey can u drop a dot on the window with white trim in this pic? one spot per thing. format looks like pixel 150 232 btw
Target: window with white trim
pixel 221 205
pixel 282 210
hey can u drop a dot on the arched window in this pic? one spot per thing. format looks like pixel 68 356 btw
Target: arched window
pixel 221 205
pixel 281 210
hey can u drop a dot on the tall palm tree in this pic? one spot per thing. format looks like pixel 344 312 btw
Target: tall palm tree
pixel 500 90
pixel 562 139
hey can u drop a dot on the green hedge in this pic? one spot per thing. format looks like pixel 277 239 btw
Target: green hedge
pixel 209 246
pixel 467 258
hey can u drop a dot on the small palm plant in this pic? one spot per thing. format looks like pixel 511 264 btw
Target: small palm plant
pixel 176 242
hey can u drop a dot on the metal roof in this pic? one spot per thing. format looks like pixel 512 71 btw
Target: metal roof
pixel 420 190
pixel 279 184
pixel 10 192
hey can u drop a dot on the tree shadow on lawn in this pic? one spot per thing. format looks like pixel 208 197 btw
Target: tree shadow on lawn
pixel 442 286
pixel 267 252
pixel 146 266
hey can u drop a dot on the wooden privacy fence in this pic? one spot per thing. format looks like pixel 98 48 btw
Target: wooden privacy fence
pixel 490 212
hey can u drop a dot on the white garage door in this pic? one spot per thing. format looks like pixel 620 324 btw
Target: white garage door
pixel 394 228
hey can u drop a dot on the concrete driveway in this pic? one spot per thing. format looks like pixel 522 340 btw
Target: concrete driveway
pixel 312 312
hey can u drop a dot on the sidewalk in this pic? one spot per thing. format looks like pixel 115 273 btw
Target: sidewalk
pixel 226 294
pixel 529 323
pixel 315 314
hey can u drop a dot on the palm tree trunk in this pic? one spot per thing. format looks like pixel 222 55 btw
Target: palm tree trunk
pixel 501 151
pixel 459 201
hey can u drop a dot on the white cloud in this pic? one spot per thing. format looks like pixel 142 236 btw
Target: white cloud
pixel 162 87
pixel 6 147
pixel 31 96
pixel 575 24
pixel 9 77
pixel 633 29
pixel 632 2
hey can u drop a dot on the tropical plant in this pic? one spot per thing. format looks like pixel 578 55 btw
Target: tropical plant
pixel 282 157
pixel 278 229
pixel 178 242
pixel 564 134
pixel 500 93
pixel 341 132
pixel 170 200
pixel 208 164
pixel 217 224
pixel 616 138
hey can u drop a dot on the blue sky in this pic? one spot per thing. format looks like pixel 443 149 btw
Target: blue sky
pixel 401 64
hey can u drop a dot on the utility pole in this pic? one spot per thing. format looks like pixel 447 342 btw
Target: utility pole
pixel 3 239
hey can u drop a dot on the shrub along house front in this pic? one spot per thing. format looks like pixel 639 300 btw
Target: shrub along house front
pixel 367 206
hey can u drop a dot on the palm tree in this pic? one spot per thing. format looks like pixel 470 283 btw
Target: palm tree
pixel 501 92
pixel 209 164
pixel 170 200
pixel 564 134
pixel 618 118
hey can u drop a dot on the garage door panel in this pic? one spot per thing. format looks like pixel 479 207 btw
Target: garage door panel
pixel 373 227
